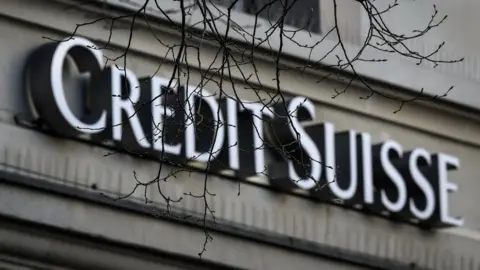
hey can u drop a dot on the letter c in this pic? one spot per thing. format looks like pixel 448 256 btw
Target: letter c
pixel 45 89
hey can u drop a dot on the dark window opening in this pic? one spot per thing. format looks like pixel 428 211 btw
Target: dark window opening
pixel 302 14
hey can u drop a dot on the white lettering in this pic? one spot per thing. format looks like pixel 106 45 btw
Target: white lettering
pixel 444 162
pixel 331 163
pixel 394 175
pixel 258 110
pixel 59 92
pixel 120 103
pixel 232 129
pixel 190 112
pixel 422 183
pixel 160 112
pixel 367 168
pixel 306 143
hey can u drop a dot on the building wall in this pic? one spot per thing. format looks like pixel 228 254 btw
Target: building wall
pixel 437 127
pixel 399 71
pixel 414 15
pixel 411 15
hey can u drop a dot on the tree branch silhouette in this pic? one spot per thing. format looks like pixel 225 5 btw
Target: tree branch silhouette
pixel 234 55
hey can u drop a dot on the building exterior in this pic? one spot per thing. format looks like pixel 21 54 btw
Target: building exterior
pixel 57 183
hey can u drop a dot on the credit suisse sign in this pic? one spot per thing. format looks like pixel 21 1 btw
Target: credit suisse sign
pixel 162 119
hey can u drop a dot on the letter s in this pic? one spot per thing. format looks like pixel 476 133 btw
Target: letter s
pixel 305 142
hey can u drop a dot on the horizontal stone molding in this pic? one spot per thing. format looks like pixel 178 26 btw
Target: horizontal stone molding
pixel 74 164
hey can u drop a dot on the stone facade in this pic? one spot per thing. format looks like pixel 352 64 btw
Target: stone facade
pixel 49 188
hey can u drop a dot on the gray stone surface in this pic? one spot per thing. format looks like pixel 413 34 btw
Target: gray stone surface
pixel 128 228
pixel 438 128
